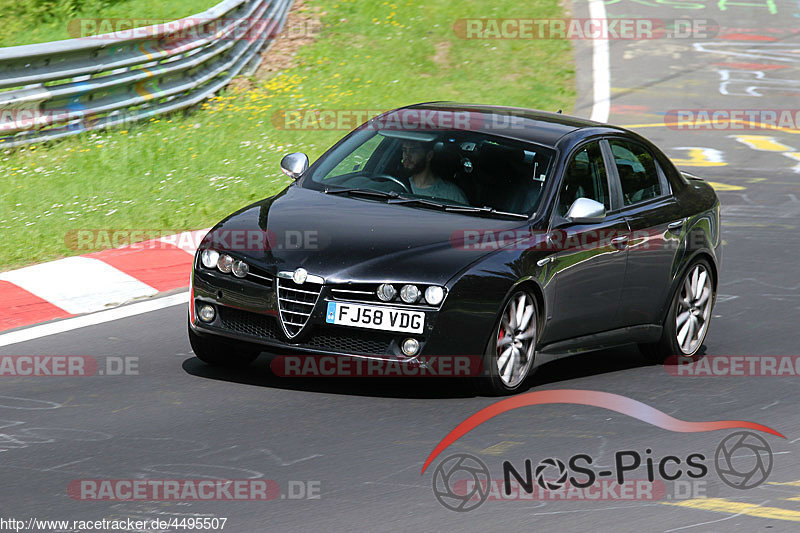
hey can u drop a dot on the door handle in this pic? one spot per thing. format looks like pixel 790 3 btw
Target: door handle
pixel 620 242
pixel 678 224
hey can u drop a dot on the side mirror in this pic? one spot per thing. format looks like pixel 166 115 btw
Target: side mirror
pixel 584 210
pixel 293 165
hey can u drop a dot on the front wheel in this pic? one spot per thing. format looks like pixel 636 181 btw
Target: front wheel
pixel 218 352
pixel 511 350
pixel 688 318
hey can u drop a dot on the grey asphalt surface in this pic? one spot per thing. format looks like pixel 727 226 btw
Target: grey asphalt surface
pixel 364 442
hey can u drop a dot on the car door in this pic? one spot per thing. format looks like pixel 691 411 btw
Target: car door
pixel 654 218
pixel 589 258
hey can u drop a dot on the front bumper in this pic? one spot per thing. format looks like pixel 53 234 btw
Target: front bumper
pixel 247 310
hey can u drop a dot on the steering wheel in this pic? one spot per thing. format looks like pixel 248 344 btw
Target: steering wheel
pixel 390 178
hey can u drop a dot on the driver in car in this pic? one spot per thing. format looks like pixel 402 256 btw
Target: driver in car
pixel 417 160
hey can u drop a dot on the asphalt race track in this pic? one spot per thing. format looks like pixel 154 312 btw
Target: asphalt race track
pixel 360 444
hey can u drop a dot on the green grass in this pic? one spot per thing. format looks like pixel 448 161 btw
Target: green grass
pixel 40 21
pixel 188 171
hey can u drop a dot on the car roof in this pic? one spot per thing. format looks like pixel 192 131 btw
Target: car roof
pixel 541 127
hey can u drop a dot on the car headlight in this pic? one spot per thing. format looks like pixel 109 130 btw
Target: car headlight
pixel 434 295
pixel 386 292
pixel 240 269
pixel 225 263
pixel 409 294
pixel 209 258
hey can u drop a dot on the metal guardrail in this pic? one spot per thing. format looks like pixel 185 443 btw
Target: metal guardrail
pixel 61 88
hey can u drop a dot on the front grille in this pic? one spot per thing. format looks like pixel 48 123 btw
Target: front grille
pixel 351 341
pixel 295 303
pixel 248 323
pixel 342 340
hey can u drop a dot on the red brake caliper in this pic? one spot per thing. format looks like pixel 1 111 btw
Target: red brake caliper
pixel 499 338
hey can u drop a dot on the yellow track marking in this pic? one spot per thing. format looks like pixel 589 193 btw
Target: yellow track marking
pixel 500 448
pixel 721 505
pixel 724 186
pixel 683 126
pixel 764 143
pixel 700 157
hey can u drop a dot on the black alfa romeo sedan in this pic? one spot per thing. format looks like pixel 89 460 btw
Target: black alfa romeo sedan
pixel 446 229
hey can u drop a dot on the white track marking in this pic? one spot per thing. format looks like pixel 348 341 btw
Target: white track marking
pixel 79 284
pixel 601 74
pixel 110 315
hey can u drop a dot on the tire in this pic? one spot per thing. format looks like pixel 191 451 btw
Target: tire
pixel 691 307
pixel 520 315
pixel 218 352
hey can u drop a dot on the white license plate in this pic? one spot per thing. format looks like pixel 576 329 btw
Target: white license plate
pixel 374 317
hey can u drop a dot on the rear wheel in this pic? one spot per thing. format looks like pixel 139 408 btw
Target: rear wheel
pixel 511 350
pixel 689 315
pixel 218 352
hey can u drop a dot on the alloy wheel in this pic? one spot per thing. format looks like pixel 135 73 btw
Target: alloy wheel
pixel 694 309
pixel 516 339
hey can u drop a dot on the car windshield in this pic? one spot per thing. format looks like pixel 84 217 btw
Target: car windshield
pixel 452 168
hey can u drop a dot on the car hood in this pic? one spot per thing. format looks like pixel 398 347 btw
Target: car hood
pixel 343 238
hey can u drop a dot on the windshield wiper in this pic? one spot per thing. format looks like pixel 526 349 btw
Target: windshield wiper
pixel 363 192
pixel 404 200
pixel 484 209
pixel 395 198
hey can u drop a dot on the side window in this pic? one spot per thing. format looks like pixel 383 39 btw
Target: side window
pixel 584 177
pixel 357 159
pixel 637 170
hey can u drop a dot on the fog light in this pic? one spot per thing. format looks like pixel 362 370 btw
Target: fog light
pixel 386 292
pixel 225 263
pixel 409 294
pixel 209 258
pixel 434 295
pixel 240 269
pixel 410 346
pixel 206 313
